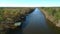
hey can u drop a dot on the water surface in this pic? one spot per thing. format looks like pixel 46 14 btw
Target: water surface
pixel 35 23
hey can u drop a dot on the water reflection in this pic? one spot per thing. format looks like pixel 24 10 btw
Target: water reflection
pixel 35 23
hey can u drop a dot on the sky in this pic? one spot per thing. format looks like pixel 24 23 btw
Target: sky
pixel 29 3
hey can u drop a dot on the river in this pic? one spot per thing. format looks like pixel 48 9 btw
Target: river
pixel 35 23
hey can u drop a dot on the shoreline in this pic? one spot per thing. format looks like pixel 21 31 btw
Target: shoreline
pixel 50 23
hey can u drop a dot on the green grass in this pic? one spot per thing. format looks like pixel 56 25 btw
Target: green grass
pixel 11 15
pixel 53 11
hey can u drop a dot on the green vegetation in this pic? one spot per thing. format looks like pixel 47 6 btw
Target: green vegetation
pixel 53 11
pixel 11 15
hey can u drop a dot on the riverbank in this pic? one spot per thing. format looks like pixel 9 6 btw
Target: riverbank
pixel 9 15
pixel 53 14
pixel 53 27
pixel 49 20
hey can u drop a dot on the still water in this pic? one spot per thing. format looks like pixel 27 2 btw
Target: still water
pixel 35 23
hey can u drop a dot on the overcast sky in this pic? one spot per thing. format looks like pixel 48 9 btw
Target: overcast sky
pixel 31 3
